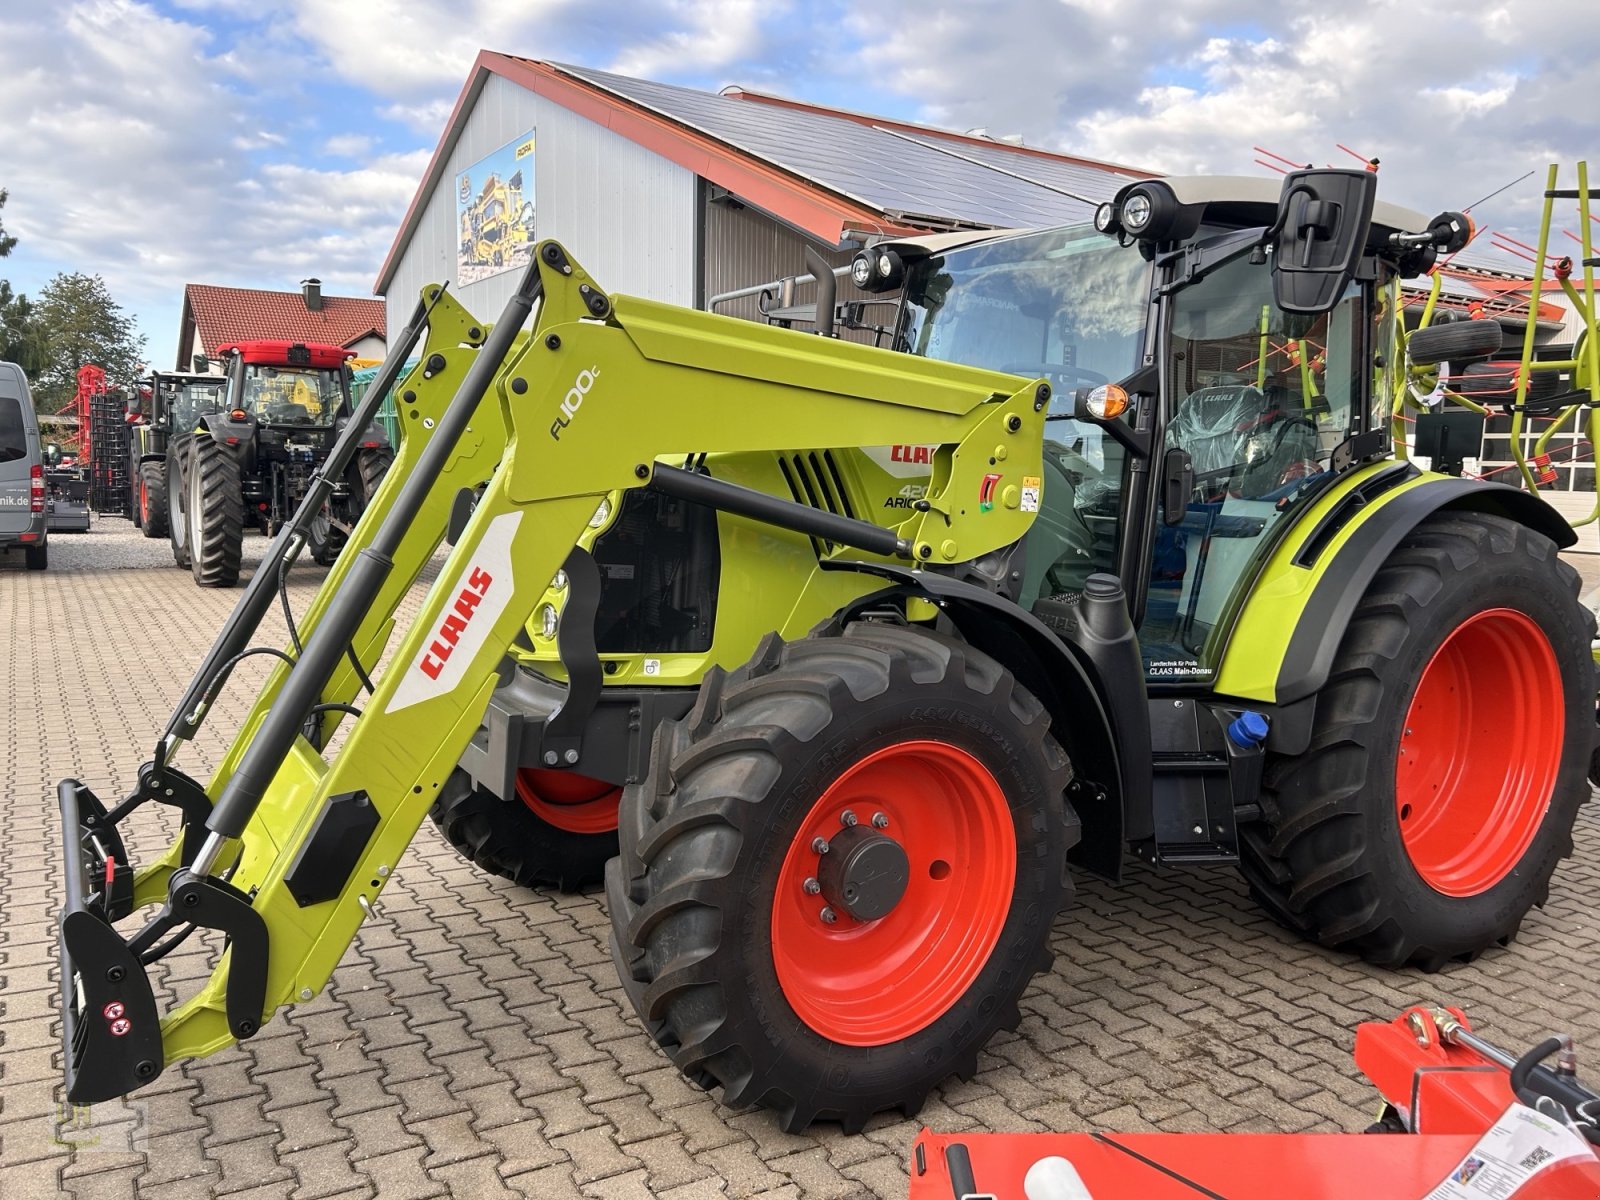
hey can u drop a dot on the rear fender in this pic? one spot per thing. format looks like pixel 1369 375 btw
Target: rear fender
pixel 240 435
pixel 1065 683
pixel 1283 647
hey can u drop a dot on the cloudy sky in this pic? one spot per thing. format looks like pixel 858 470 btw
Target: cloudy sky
pixel 257 142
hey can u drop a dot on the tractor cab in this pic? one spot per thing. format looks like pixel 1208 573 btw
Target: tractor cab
pixel 1198 408
pixel 290 385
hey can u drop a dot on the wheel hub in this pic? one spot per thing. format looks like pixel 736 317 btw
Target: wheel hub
pixel 864 873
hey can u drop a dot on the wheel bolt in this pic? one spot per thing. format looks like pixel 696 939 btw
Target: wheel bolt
pixel 847 818
pixel 879 821
pixel 812 887
pixel 829 916
pixel 819 845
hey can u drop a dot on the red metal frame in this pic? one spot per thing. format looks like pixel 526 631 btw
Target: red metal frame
pixel 1453 1095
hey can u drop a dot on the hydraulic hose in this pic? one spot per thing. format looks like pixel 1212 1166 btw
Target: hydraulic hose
pixel 247 615
pixel 259 764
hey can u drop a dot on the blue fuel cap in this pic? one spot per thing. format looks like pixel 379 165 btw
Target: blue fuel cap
pixel 1248 730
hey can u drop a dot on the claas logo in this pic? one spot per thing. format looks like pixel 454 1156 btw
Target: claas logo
pixel 456 622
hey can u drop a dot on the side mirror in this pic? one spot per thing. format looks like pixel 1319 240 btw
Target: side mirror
pixel 1324 217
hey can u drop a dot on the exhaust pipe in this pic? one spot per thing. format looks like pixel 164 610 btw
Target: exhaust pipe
pixel 827 289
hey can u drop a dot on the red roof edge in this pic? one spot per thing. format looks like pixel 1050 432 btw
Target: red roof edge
pixel 817 211
pixel 742 93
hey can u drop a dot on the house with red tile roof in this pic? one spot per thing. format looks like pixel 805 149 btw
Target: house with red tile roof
pixel 214 316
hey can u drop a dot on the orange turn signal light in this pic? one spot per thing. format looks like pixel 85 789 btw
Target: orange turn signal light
pixel 1107 401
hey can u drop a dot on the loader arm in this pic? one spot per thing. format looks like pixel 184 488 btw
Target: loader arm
pixel 300 842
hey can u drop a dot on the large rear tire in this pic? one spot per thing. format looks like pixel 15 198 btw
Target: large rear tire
pixel 1448 757
pixel 372 464
pixel 836 984
pixel 152 507
pixel 216 514
pixel 178 499
pixel 515 840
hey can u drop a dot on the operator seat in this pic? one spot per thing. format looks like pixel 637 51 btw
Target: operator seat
pixel 1243 441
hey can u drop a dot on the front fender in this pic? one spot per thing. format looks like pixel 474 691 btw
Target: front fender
pixel 1289 631
pixel 1099 717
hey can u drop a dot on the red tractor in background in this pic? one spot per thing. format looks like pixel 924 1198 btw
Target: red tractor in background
pixel 249 463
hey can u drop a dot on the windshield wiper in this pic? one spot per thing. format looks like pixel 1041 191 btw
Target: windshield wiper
pixel 1201 258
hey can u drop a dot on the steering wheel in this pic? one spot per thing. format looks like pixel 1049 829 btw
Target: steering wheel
pixel 1059 371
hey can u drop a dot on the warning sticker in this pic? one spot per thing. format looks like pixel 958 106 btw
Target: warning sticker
pixel 1518 1146
pixel 1030 493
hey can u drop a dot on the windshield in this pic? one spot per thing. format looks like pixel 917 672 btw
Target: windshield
pixel 292 395
pixel 186 403
pixel 1069 304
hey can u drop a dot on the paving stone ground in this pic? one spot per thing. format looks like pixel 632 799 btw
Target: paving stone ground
pixel 475 1042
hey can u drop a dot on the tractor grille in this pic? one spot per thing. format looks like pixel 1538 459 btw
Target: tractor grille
pixel 813 478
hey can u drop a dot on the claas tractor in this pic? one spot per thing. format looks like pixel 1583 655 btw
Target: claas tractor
pixel 250 461
pixel 163 410
pixel 839 663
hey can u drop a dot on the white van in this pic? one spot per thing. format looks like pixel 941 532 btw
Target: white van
pixel 22 492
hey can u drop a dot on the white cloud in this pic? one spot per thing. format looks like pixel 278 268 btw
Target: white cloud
pixel 707 34
pixel 347 145
pixel 128 153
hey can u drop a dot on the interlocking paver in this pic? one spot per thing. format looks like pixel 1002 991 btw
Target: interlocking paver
pixel 475 1042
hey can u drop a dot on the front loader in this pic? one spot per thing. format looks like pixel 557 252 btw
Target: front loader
pixel 851 650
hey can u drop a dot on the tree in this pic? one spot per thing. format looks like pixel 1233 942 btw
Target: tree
pixel 7 244
pixel 22 338
pixel 84 325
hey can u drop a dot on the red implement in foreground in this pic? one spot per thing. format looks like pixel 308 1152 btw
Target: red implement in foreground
pixel 1475 1123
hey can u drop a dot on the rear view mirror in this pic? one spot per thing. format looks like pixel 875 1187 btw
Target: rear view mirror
pixel 1323 220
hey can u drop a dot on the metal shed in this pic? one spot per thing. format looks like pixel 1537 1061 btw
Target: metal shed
pixel 680 194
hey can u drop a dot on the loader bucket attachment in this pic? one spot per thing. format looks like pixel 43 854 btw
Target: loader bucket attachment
pixel 286 848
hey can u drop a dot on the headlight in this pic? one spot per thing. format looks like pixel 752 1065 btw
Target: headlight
pixel 559 580
pixel 1105 217
pixel 861 269
pixel 1136 210
pixel 549 619
pixel 601 515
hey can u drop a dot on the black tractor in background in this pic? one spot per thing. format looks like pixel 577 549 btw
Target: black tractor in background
pixel 251 461
pixel 163 411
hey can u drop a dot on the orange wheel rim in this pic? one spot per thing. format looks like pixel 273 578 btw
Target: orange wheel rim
pixel 872 982
pixel 1479 752
pixel 575 803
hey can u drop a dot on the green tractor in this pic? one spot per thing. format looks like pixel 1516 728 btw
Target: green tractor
pixel 162 414
pixel 838 662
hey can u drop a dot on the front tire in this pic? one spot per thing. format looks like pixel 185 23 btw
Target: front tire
pixel 942 892
pixel 1448 757
pixel 216 514
pixel 178 500
pixel 152 508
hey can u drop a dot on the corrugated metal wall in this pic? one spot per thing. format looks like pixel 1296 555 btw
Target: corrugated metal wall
pixel 744 247
pixel 627 215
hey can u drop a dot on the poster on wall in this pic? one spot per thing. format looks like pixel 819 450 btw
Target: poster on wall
pixel 494 212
